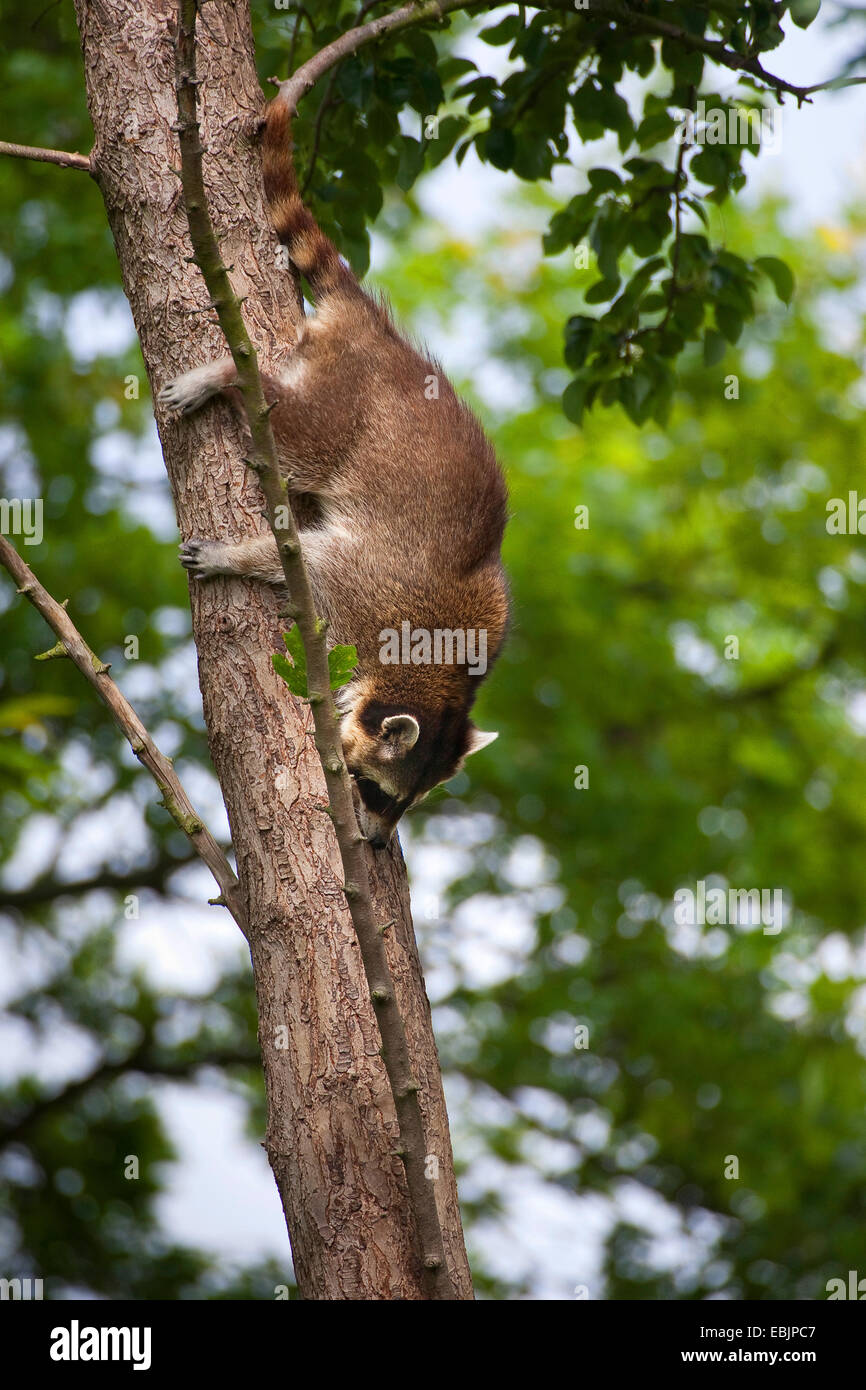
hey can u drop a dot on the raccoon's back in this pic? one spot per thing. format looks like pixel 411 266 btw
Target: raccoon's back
pixel 425 473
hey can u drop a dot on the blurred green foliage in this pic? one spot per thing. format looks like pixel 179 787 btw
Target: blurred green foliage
pixel 747 770
pixel 723 1041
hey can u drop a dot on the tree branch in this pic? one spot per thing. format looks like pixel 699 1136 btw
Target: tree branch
pixel 712 48
pixel 60 157
pixel 299 83
pixel 47 888
pixel 175 800
pixel 309 73
pixel 143 1060
pixel 395 1049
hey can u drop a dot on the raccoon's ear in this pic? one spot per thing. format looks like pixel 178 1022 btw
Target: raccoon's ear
pixel 400 732
pixel 478 740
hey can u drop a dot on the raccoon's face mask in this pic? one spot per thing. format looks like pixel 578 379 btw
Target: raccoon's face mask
pixel 396 758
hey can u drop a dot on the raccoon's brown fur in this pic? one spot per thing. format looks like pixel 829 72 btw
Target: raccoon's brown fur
pixel 412 510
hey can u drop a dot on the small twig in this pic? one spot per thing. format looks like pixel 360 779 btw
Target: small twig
pixel 174 798
pixel 678 223
pixel 296 32
pixel 324 105
pixel 48 8
pixel 60 157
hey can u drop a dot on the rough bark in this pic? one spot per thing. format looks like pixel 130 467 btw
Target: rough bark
pixel 331 1123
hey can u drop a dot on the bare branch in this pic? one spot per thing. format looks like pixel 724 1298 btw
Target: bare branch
pixel 395 1048
pixel 174 798
pixel 60 157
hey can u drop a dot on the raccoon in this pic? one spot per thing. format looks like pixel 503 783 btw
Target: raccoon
pixel 410 514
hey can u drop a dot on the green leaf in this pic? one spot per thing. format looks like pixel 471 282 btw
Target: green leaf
pixel 781 275
pixel 357 252
pixel 711 167
pixel 450 128
pixel 697 206
pixel 715 347
pixel 421 44
pixel 342 661
pixel 411 162
pixel 355 82
pixel 294 673
pixel 607 238
pixel 613 110
pixel 636 395
pixel 382 123
pixel 645 239
pixel 729 322
pixel 578 334
pixel 498 147
pixel 481 91
pixel 604 181
pixel 450 68
pixel 533 157
pixel 574 400
pixel 503 32
pixel 429 95
pixel 655 129
pixel 560 233
pixel 601 291
pixel 463 149
pixel 688 313
pixel 686 65
pixel 584 104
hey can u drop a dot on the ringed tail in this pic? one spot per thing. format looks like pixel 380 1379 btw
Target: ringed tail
pixel 314 254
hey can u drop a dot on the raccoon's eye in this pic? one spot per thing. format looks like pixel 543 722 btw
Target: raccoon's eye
pixel 373 797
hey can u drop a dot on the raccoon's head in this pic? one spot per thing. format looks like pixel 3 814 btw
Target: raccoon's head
pixel 397 756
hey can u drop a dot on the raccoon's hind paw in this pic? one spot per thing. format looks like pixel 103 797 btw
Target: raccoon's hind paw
pixel 202 558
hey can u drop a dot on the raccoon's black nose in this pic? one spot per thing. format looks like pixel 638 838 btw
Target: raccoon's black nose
pixel 378 840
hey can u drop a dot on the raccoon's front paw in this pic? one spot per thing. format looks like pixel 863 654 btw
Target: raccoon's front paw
pixel 187 392
pixel 202 558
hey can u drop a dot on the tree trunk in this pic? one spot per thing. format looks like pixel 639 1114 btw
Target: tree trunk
pixel 331 1123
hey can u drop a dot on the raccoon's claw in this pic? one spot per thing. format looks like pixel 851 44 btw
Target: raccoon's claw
pixel 201 558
